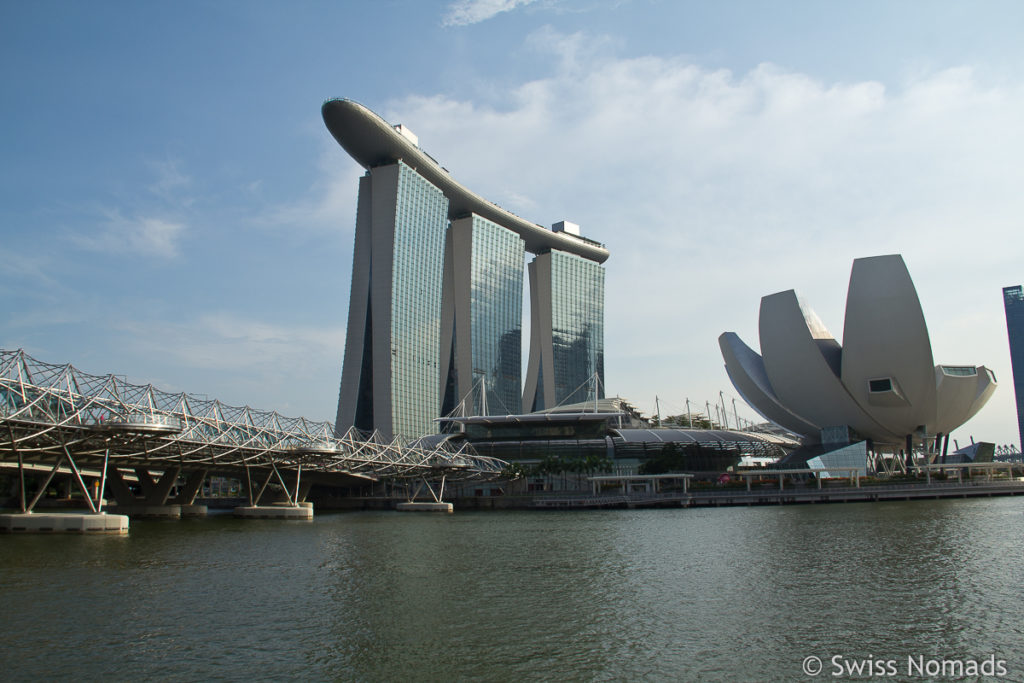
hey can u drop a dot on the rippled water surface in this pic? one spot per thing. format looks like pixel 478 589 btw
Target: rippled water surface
pixel 687 594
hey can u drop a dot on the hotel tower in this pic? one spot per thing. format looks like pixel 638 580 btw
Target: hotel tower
pixel 435 310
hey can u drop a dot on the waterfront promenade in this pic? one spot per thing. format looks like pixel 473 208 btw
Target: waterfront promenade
pixel 710 497
pixel 789 496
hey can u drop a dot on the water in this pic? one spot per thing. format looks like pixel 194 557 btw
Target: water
pixel 711 594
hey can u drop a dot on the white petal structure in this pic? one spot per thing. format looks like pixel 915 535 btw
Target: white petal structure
pixel 803 364
pixel 962 391
pixel 881 383
pixel 887 356
pixel 746 370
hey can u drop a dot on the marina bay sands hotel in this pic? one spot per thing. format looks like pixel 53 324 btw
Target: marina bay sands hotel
pixel 435 311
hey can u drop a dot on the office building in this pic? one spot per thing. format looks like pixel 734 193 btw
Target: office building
pixel 1013 300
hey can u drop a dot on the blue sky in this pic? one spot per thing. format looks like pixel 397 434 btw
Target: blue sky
pixel 172 208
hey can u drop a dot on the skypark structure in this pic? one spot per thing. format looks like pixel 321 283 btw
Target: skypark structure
pixel 435 310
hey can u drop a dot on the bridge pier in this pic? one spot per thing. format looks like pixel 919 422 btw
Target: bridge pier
pixel 186 497
pixel 155 502
pixel 276 511
pixel 63 523
pixel 293 507
pixel 424 506
pixel 435 505
pixel 94 521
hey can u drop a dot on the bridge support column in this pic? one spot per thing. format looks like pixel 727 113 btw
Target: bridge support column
pixel 186 497
pixel 290 508
pixel 437 505
pixel 155 493
pixel 94 521
pixel 303 491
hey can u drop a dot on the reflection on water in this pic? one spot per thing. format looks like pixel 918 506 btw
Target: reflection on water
pixel 714 594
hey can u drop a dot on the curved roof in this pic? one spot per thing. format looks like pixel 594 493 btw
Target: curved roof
pixel 371 141
pixel 490 420
pixel 721 437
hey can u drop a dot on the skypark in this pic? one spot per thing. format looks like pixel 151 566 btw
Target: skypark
pixel 372 141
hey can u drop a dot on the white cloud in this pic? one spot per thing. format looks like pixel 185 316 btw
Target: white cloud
pixel 142 225
pixel 225 340
pixel 140 235
pixel 170 181
pixel 20 267
pixel 328 208
pixel 242 360
pixel 713 188
pixel 466 12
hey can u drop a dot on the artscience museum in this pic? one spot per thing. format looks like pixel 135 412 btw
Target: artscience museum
pixel 880 388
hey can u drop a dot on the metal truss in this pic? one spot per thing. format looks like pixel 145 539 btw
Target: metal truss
pixel 57 414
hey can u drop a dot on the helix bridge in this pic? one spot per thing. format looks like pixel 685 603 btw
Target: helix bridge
pixel 56 417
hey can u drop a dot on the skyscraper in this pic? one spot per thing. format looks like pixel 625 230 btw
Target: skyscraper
pixel 1013 300
pixel 566 331
pixel 482 313
pixel 435 310
pixel 390 375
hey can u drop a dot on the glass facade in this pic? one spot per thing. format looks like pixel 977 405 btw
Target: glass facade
pixel 496 312
pixel 1013 300
pixel 421 217
pixel 854 455
pixel 390 377
pixel 577 326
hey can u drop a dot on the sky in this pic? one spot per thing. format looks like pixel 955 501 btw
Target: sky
pixel 173 210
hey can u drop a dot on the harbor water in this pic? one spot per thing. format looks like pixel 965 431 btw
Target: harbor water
pixel 892 590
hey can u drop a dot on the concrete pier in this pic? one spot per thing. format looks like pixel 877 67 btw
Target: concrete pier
pixel 63 523
pixel 141 510
pixel 424 507
pixel 193 510
pixel 156 501
pixel 302 511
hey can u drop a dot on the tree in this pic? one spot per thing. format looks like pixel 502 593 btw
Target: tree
pixel 693 422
